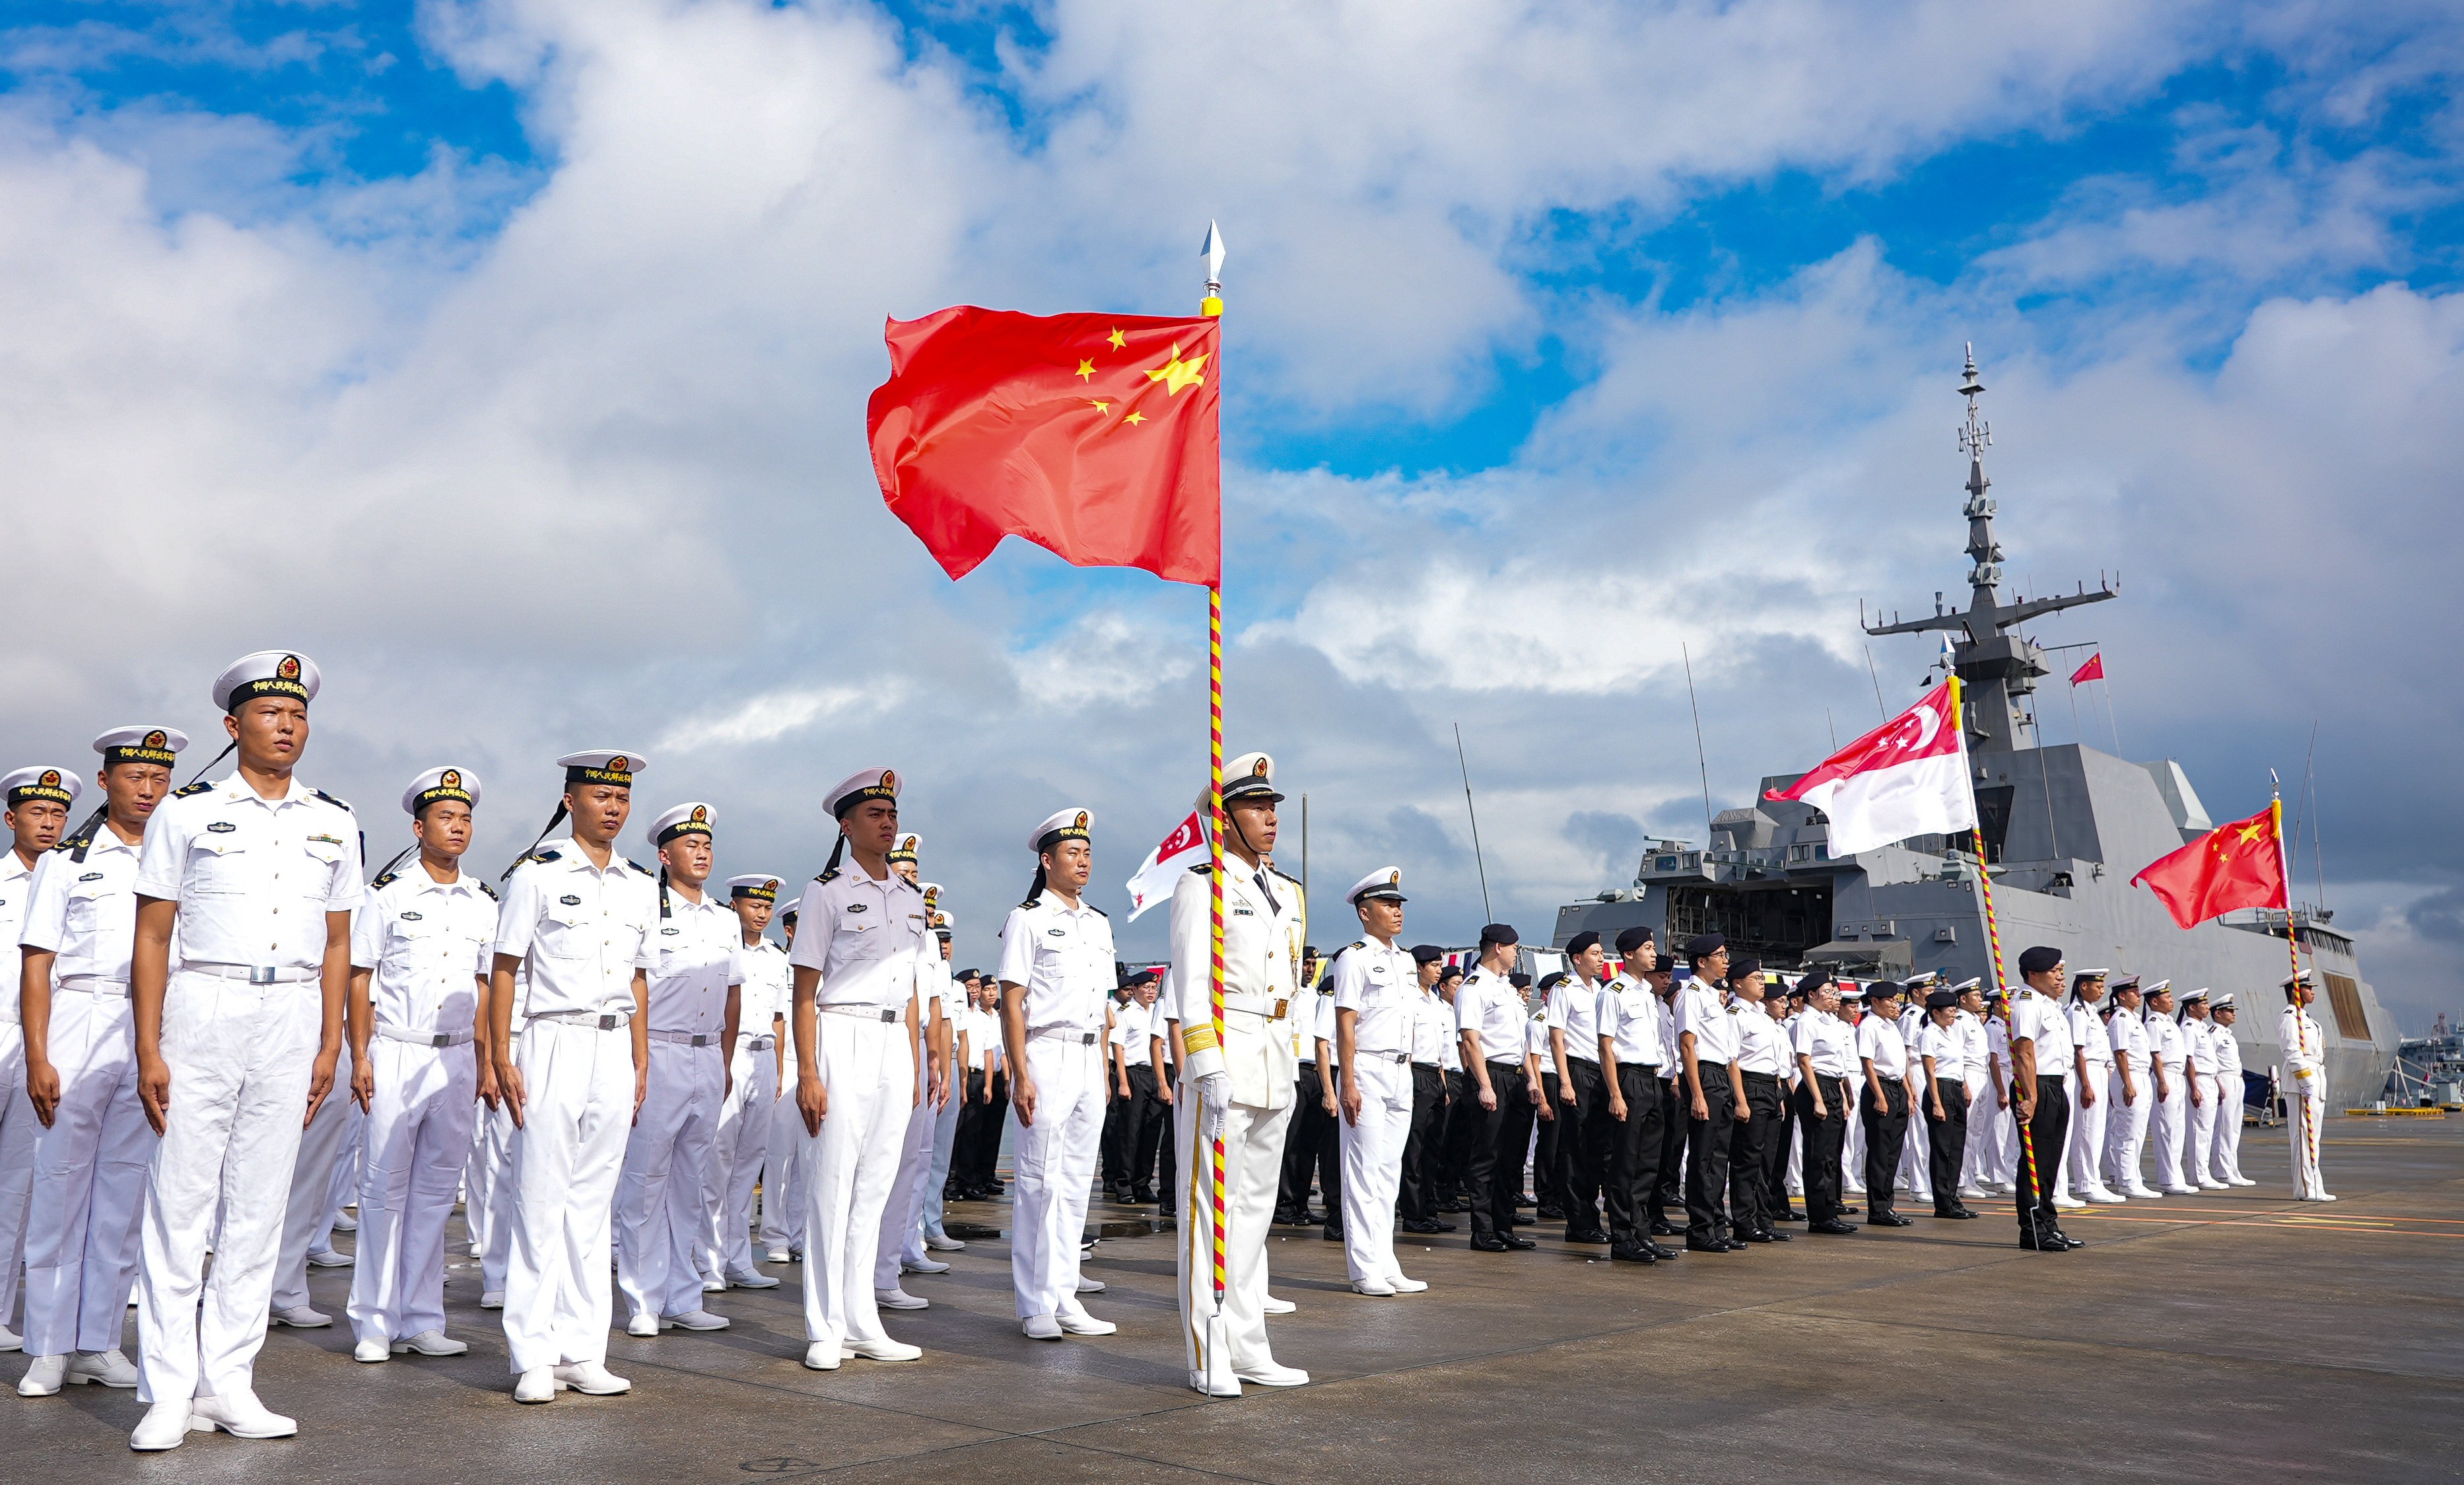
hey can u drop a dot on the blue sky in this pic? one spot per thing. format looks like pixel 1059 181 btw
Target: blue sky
pixel 1567 343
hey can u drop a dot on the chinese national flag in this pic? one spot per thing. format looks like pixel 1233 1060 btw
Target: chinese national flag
pixel 1092 436
pixel 2093 669
pixel 2235 865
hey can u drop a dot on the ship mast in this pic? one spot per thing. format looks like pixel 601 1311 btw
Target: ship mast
pixel 1997 665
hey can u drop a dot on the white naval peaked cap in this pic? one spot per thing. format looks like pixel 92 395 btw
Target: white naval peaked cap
pixel 685 819
pixel 906 847
pixel 436 784
pixel 2151 991
pixel 1071 824
pixel 141 744
pixel 2306 977
pixel 1249 776
pixel 1966 986
pixel 275 673
pixel 40 781
pixel 2077 975
pixel 753 884
pixel 2201 993
pixel 1385 884
pixel 858 786
pixel 602 766
pixel 942 923
pixel 932 889
pixel 2221 1003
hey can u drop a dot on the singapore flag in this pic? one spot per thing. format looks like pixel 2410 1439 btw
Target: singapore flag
pixel 1160 872
pixel 1906 777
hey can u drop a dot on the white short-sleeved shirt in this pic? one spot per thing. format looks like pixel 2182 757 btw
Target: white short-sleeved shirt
pixel 2165 1042
pixel 1829 1041
pixel 1137 1033
pixel 254 878
pixel 1880 1041
pixel 1381 984
pixel 1948 1046
pixel 1433 1026
pixel 2087 1034
pixel 2227 1054
pixel 84 912
pixel 1064 956
pixel 1574 1009
pixel 698 947
pixel 1715 1032
pixel 1489 1005
pixel 1322 1025
pixel 2196 1037
pixel 2126 1034
pixel 764 997
pixel 870 942
pixel 1762 1044
pixel 580 930
pixel 2038 1018
pixel 428 946
pixel 16 882
pixel 1628 1014
pixel 1535 1040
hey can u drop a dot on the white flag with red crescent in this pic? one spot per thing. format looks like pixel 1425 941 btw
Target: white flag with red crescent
pixel 1906 777
pixel 1158 875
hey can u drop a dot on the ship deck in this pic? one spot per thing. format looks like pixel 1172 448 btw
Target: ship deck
pixel 2231 1336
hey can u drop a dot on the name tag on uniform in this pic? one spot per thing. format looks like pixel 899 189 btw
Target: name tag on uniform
pixel 1056 933
pixel 222 826
pixel 672 930
pixel 410 918
pixel 570 900
pixel 91 876
pixel 330 840
pixel 1243 912
pixel 855 907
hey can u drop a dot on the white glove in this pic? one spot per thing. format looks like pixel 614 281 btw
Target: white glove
pixel 1213 1105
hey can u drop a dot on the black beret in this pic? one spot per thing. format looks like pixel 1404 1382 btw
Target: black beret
pixel 1585 939
pixel 1631 940
pixel 1426 953
pixel 1879 989
pixel 1812 982
pixel 1552 980
pixel 1499 933
pixel 1702 945
pixel 1739 968
pixel 1941 1000
pixel 1520 981
pixel 2039 959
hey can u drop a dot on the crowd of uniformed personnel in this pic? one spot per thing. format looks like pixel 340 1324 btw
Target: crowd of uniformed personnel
pixel 228 1041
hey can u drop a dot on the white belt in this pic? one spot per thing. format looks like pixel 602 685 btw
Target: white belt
pixel 762 1043
pixel 254 974
pixel 1375 1054
pixel 1077 1036
pixel 686 1038
pixel 600 1020
pixel 93 985
pixel 868 1012
pixel 396 1033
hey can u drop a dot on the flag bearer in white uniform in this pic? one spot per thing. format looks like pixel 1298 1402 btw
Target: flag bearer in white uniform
pixel 753 1086
pixel 2167 1053
pixel 421 948
pixel 241 964
pixel 1238 1090
pixel 2304 1082
pixel 1056 974
pixel 863 960
pixel 2131 1093
pixel 2224 1153
pixel 38 801
pixel 2199 1071
pixel 89 1161
pixel 583 921
pixel 2091 1091
pixel 1376 995
pixel 694 1005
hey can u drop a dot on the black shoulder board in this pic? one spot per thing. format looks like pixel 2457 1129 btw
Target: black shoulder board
pixel 489 891
pixel 1201 868
pixel 1356 943
pixel 832 875
pixel 198 787
pixel 329 799
pixel 549 854
pixel 75 843
pixel 1030 902
pixel 383 879
pixel 639 867
pixel 1099 912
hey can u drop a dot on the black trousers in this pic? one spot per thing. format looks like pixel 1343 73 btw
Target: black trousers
pixel 1301 1142
pixel 1706 1156
pixel 1634 1156
pixel 1415 1193
pixel 1143 1132
pixel 1825 1137
pixel 1749 1189
pixel 963 1138
pixel 1544 1149
pixel 1946 1141
pixel 1453 1154
pixel 1673 1135
pixel 1328 1130
pixel 1775 1150
pixel 983 1155
pixel 1885 1115
pixel 1583 1146
pixel 2045 1133
pixel 1167 1158
pixel 1494 1169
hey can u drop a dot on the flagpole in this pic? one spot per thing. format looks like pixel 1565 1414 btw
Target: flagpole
pixel 2275 817
pixel 1976 834
pixel 1212 306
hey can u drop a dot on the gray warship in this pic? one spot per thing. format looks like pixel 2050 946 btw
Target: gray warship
pixel 2065 827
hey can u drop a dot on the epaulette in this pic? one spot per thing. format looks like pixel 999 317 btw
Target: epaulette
pixel 1201 869
pixel 551 853
pixel 329 799
pixel 491 892
pixel 198 787
pixel 1285 875
pixel 832 875
pixel 1356 943
pixel 383 881
pixel 1099 912
pixel 75 843
pixel 639 867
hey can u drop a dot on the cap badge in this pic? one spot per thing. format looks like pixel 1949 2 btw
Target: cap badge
pixel 618 764
pixel 701 814
pixel 52 776
pixel 889 778
pixel 1082 821
pixel 156 738
pixel 1258 769
pixel 772 885
pixel 452 778
pixel 289 669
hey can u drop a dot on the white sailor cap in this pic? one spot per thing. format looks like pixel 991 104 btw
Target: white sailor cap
pixel 602 766
pixel 859 787
pixel 1966 986
pixel 1384 885
pixel 2077 975
pixel 943 923
pixel 39 782
pixel 441 783
pixel 905 848
pixel 1251 776
pixel 2201 993
pixel 268 672
pixel 2220 1002
pixel 754 885
pixel 1071 824
pixel 932 892
pixel 2308 977
pixel 2151 991
pixel 141 744
pixel 685 819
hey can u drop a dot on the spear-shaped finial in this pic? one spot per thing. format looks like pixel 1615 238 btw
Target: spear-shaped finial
pixel 1213 253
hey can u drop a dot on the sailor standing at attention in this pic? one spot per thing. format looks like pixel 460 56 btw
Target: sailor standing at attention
pixel 89 1160
pixel 2090 1088
pixel 1755 1201
pixel 2041 1110
pixel 422 945
pixel 580 921
pixel 2304 1082
pixel 38 801
pixel 236 1044
pixel 1376 991
pixel 2224 1155
pixel 1056 973
pixel 1882 1051
pixel 1489 1018
pixel 1942 1049
pixel 1707 1046
pixel 1826 1051
pixel 782 1234
pixel 753 1086
pixel 1583 1124
pixel 1236 1089
pixel 2199 1071
pixel 2131 1093
pixel 863 959
pixel 2168 1121
pixel 1631 1050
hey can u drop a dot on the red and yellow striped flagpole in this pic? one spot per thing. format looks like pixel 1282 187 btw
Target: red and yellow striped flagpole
pixel 1213 306
pixel 1976 835
pixel 2284 867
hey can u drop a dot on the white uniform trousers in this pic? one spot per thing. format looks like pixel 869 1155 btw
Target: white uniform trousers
pixel 2201 1135
pixel 735 1162
pixel 784 1190
pixel 478 1181
pixel 1253 1168
pixel 348 1173
pixel 2087 1128
pixel 2224 1146
pixel 324 1144
pixel 1373 1165
pixel 418 1132
pixel 1055 1177
pixel 1976 1159
pixel 867 1066
pixel 89 1180
pixel 17 1128
pixel 906 1192
pixel 240 1057
pixel 1852 1152
pixel 660 1216
pixel 1915 1155
pixel 936 1175
pixel 578 1086
pixel 2125 1133
pixel 1796 1155
pixel 2302 1117
pixel 2169 1122
pixel 496 1127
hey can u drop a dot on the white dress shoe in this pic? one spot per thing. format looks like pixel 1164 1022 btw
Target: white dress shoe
pixel 700 1319
pixel 43 1379
pixel 899 1299
pixel 431 1343
pixel 2181 1191
pixel 1275 1306
pixel 2321 1197
pixel 882 1349
pixel 11 1340
pixel 751 1280
pixel 713 1286
pixel 164 1426
pixel 329 1258
pixel 778 1255
pixel 493 1300
pixel 299 1318
pixel 1082 1323
pixel 371 1351
pixel 1038 1327
pixel 922 1265
pixel 1272 1374
pixel 2239 1181
pixel 2106 1196
pixel 644 1326
pixel 591 1378
pixel 1090 1286
pixel 2144 1193
pixel 822 1356
pixel 1376 1288
pixel 943 1242
pixel 344 1222
pixel 536 1385
pixel 1197 1383
pixel 2207 1183
pixel 241 1416
pixel 1972 1193
pixel 2069 1203
pixel 1407 1286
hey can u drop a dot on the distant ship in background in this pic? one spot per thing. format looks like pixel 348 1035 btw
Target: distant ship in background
pixel 2065 827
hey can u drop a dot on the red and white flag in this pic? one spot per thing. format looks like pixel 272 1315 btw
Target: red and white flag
pixel 1906 777
pixel 2093 669
pixel 1156 876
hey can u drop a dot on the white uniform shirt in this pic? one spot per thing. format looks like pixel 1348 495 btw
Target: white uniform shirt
pixel 1945 1045
pixel 1265 920
pixel 2164 1046
pixel 1574 1009
pixel 1380 982
pixel 1137 1030
pixel 254 878
pixel 1064 956
pixel 1628 1014
pixel 764 995
pixel 2127 1034
pixel 2227 1054
pixel 83 911
pixel 1972 1044
pixel 1762 1043
pixel 2040 1019
pixel 1880 1042
pixel 1433 1026
pixel 696 953
pixel 1912 1020
pixel 1322 1024
pixel 2304 1049
pixel 1489 1005
pixel 428 946
pixel 580 930
pixel 2087 1034
pixel 2195 1042
pixel 1829 1041
pixel 870 942
pixel 1535 1040
pixel 1715 1032
pixel 16 883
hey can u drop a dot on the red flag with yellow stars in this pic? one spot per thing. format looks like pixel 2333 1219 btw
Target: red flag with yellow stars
pixel 2233 866
pixel 1092 436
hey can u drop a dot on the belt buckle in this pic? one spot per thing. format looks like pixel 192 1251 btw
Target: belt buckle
pixel 700 1040
pixel 1086 1038
pixel 261 974
pixel 888 1016
pixel 608 1022
pixel 440 1039
pixel 1283 1007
